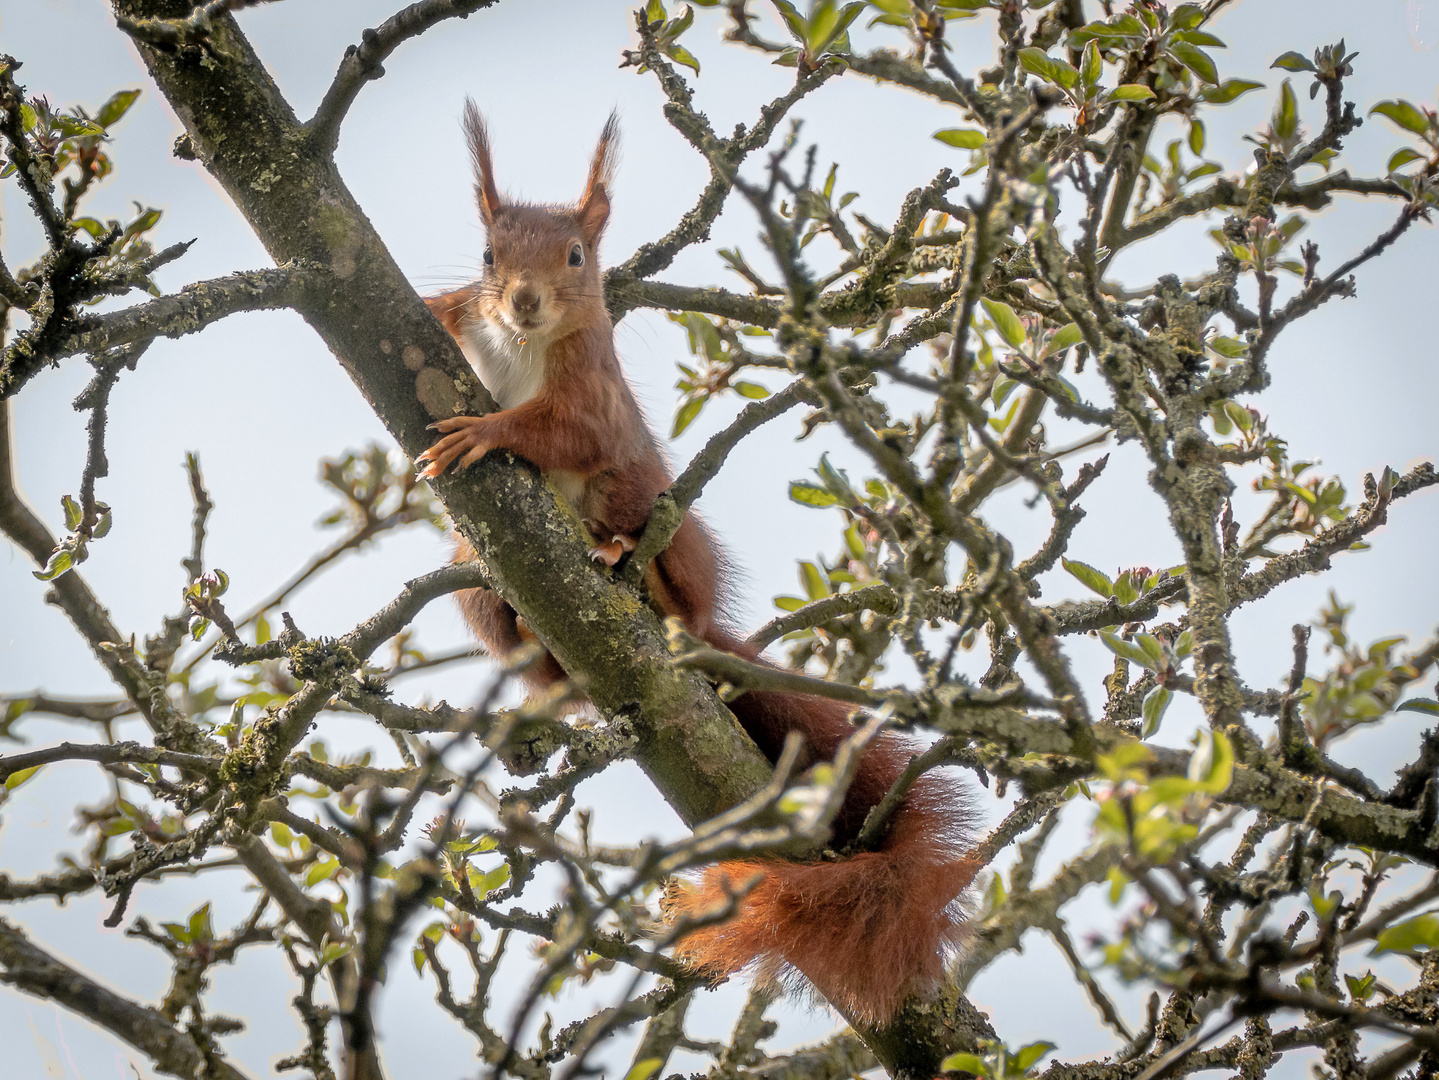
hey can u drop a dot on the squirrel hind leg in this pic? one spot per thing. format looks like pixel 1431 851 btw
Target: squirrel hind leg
pixel 501 632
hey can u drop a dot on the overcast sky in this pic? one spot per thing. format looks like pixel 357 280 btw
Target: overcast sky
pixel 261 400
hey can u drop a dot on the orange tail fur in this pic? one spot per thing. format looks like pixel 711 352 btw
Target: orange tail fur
pixel 869 929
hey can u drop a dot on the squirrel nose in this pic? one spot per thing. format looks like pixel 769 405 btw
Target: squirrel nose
pixel 525 300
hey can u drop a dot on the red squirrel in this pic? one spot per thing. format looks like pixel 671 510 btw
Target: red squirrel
pixel 866 929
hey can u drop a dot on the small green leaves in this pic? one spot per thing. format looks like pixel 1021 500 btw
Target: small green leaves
pixel 963 138
pixel 833 489
pixel 196 930
pixel 824 31
pixel 1144 650
pixel 997 1062
pixel 1361 988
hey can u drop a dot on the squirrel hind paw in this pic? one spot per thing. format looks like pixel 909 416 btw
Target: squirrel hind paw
pixel 613 550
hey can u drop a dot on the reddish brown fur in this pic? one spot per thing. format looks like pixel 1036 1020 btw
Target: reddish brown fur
pixel 865 930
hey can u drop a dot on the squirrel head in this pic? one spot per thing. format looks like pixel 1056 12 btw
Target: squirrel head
pixel 541 272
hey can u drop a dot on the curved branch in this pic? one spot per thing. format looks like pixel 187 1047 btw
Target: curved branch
pixel 31 969
pixel 365 62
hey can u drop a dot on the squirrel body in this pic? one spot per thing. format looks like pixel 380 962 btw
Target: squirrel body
pixel 865 929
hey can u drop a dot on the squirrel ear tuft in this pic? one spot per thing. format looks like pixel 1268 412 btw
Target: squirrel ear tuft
pixel 486 194
pixel 594 207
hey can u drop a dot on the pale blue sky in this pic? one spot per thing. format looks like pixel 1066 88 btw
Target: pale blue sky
pixel 1354 386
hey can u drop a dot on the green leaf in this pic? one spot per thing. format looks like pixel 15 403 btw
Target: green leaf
pixel 750 390
pixel 1361 988
pixel 1196 137
pixel 680 55
pixel 1196 61
pixel 1212 764
pixel 1130 651
pixel 1155 702
pixel 1229 347
pixel 1286 114
pixel 1065 337
pixel 74 127
pixel 15 779
pixel 1005 321
pixel 815 586
pixel 964 138
pixel 962 1062
pixel 1293 61
pixel 200 927
pixel 688 410
pixel 1090 577
pixel 1091 65
pixel 789 603
pixel 1198 37
pixel 793 20
pixel 1422 930
pixel 118 105
pixel 1038 62
pixel 1131 92
pixel 826 32
pixel 808 494
pixel 73 513
pixel 61 559
pixel 1403 157
pixel 1403 114
pixel 1420 705
pixel 836 481
pixel 1026 1056
pixel 643 1070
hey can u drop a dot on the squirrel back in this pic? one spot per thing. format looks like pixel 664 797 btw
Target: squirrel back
pixel 866 929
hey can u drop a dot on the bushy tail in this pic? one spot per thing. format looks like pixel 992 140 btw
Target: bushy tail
pixel 866 930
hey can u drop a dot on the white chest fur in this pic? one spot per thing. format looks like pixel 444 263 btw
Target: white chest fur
pixel 511 369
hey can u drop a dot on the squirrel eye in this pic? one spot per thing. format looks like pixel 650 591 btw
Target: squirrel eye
pixel 577 256
pixel 489 255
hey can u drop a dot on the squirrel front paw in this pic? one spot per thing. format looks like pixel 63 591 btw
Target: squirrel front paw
pixel 463 435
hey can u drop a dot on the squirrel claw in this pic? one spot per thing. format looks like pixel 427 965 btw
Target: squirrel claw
pixel 462 438
pixel 613 550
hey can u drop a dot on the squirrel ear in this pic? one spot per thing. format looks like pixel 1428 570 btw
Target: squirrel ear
pixel 594 207
pixel 486 194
